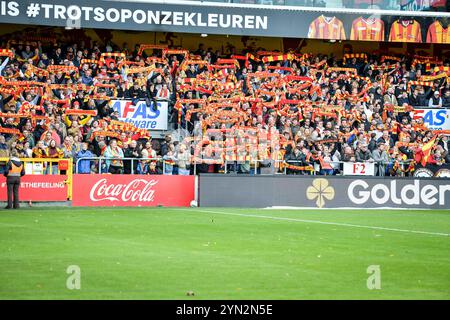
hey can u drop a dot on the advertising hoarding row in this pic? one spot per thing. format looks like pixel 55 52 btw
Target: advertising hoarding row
pixel 106 190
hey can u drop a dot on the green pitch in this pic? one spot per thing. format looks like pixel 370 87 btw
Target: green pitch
pixel 163 253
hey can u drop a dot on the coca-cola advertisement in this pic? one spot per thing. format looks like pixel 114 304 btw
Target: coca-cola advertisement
pixel 38 188
pixel 132 190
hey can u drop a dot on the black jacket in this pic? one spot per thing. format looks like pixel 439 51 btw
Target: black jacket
pixel 135 93
pixel 372 145
pixel 127 163
pixel 406 151
pixel 104 109
pixel 446 102
pixel 415 100
pixel 442 143
pixel 363 156
pixel 164 148
pixel 423 101
pixel 382 140
pixel 297 160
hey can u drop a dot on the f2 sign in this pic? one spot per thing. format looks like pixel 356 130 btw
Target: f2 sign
pixel 359 169
pixel 434 119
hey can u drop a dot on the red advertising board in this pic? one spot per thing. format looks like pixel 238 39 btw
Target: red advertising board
pixel 38 188
pixel 132 190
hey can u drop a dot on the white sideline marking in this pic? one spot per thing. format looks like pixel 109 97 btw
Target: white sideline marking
pixel 340 208
pixel 320 222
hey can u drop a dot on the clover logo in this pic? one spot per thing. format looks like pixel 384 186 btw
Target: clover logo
pixel 320 190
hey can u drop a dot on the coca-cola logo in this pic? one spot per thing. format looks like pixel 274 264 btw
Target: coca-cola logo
pixel 139 190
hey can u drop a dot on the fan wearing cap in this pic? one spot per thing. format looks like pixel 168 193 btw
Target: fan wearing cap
pixel 435 101
pixel 76 104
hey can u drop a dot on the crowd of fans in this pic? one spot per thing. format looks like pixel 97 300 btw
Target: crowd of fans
pixel 55 103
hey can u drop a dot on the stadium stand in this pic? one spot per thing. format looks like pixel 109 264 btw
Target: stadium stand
pixel 315 110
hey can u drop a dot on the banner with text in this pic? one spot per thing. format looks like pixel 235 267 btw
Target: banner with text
pixel 132 190
pixel 434 119
pixel 323 192
pixel 38 188
pixel 141 115
pixel 359 169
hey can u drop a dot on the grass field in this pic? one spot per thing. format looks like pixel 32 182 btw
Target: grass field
pixel 161 253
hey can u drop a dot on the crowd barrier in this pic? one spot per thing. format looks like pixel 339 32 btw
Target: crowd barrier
pixel 267 166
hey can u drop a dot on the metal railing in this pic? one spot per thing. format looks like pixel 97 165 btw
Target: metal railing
pixel 106 159
pixel 281 168
pixel 48 165
pixel 256 166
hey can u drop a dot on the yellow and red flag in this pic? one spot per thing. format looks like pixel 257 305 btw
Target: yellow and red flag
pixel 426 149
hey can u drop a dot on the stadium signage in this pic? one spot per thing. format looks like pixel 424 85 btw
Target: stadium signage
pixel 359 168
pixel 415 193
pixel 443 173
pixel 433 170
pixel 135 190
pixel 141 115
pixel 39 188
pixel 133 15
pixel 434 119
pixel 423 173
pixel 323 192
pixel 226 19
pixel 132 190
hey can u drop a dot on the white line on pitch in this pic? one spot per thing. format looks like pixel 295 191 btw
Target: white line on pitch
pixel 319 222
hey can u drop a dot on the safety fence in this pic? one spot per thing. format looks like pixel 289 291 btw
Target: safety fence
pixel 339 168
pixel 254 166
pixel 101 164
